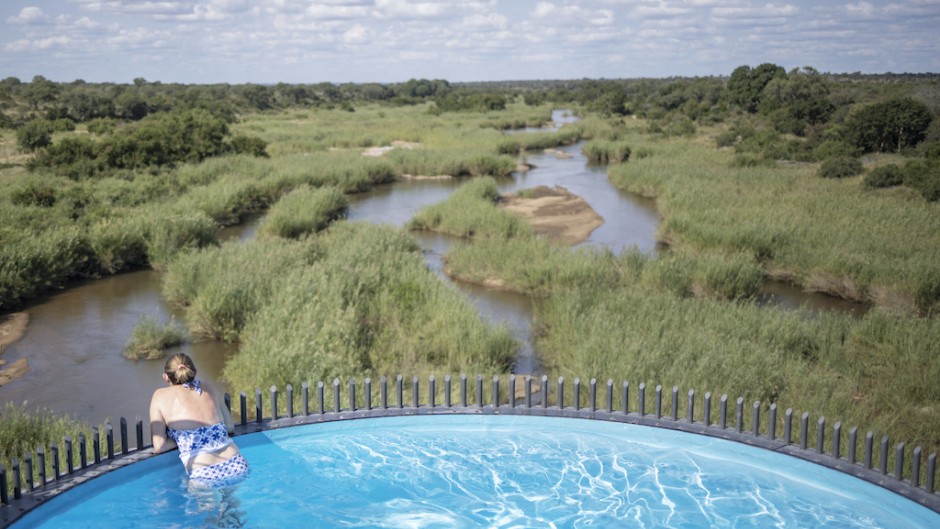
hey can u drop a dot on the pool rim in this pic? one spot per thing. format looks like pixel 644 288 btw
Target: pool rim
pixel 15 508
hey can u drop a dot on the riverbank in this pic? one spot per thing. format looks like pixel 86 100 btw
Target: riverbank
pixel 12 328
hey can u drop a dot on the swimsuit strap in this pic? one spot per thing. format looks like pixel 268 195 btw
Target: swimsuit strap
pixel 194 385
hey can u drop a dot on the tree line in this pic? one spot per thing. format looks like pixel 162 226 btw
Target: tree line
pixel 766 114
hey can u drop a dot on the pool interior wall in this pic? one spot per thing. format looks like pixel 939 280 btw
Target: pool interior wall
pixel 728 424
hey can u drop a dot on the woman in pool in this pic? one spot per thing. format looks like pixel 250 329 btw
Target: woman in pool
pixel 190 415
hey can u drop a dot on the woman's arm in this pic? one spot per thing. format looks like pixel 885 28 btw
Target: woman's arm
pixel 161 443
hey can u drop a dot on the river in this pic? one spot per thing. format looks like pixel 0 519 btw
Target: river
pixel 75 336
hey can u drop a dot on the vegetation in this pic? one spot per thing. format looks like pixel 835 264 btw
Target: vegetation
pixel 100 178
pixel 150 339
pixel 304 210
pixel 22 430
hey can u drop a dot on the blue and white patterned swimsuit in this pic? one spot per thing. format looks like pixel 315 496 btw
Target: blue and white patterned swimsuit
pixel 212 438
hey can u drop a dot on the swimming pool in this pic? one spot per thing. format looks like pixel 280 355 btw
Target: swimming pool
pixel 488 471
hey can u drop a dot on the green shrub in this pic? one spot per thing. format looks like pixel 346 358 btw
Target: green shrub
pixel 250 145
pixel 883 176
pixel 34 135
pixel 924 176
pixel 34 192
pixel 841 167
pixel 150 338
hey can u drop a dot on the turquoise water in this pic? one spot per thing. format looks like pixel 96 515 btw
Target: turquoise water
pixel 488 471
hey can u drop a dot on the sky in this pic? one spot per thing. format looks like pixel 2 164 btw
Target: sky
pixel 388 41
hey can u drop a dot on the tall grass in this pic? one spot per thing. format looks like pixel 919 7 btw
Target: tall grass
pixel 22 430
pixel 828 235
pixel 368 306
pixel 222 288
pixel 470 211
pixel 304 210
pixel 150 338
pixel 686 318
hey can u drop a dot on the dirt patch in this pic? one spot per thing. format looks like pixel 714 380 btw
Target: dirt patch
pixel 555 212
pixel 12 327
pixel 380 151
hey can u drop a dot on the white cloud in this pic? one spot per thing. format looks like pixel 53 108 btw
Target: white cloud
pixel 24 45
pixel 29 15
pixel 357 33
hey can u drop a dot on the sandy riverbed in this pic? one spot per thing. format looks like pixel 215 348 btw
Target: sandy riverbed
pixel 12 327
pixel 554 212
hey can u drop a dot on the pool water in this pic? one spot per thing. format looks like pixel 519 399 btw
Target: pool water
pixel 488 471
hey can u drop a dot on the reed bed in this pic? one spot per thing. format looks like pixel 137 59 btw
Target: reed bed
pixel 689 318
pixel 304 210
pixel 828 235
pixel 150 338
pixel 470 212
pixel 368 306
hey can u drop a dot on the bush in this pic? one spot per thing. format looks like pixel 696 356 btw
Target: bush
pixel 884 176
pixel 249 145
pixel 150 338
pixel 924 176
pixel 840 167
pixel 34 193
pixel 34 135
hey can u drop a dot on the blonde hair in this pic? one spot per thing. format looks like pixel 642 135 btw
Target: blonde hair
pixel 180 369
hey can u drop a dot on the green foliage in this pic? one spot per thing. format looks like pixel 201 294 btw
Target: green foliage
pixel 34 192
pixel 38 262
pixel 746 85
pixel 22 430
pixel 924 176
pixel 605 152
pixel 250 145
pixel 150 338
pixel 304 210
pixel 796 100
pixel 222 288
pixel 883 176
pixel 841 167
pixel 470 212
pixel 34 135
pixel 889 125
pixel 170 233
pixel 473 102
pixel 367 305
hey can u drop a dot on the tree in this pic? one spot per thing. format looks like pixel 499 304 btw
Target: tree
pixel 798 99
pixel 889 125
pixel 40 91
pixel 34 135
pixel 746 85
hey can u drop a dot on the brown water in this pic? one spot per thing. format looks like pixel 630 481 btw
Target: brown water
pixel 75 337
pixel 74 343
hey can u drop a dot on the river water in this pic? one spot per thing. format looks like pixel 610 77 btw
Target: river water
pixel 75 336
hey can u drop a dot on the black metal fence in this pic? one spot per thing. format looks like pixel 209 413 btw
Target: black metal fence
pixel 910 474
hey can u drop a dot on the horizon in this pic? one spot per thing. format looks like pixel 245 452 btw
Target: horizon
pixel 461 41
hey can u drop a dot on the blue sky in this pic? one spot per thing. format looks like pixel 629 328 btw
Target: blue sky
pixel 310 41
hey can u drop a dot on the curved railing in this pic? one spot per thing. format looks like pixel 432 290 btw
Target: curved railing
pixel 911 475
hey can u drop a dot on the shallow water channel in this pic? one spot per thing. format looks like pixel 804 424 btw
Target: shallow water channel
pixel 75 336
